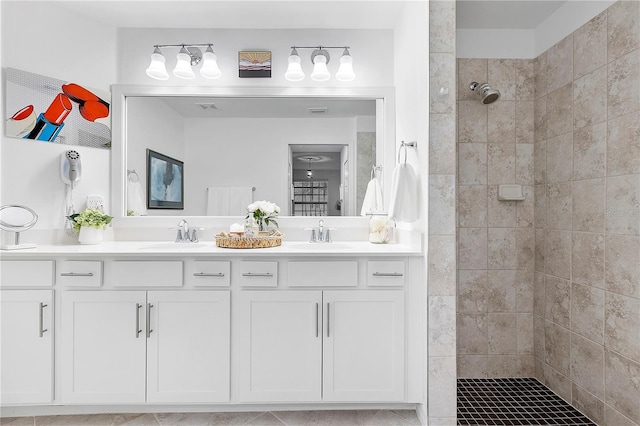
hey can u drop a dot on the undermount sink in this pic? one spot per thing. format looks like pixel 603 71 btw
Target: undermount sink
pixel 320 246
pixel 170 246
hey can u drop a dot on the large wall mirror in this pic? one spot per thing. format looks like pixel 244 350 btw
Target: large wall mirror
pixel 310 151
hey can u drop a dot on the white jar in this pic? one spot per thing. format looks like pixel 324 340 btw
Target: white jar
pixel 380 229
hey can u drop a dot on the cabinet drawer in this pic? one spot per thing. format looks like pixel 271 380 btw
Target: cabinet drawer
pixel 125 273
pixel 258 274
pixel 323 274
pixel 26 273
pixel 385 273
pixel 208 273
pixel 76 273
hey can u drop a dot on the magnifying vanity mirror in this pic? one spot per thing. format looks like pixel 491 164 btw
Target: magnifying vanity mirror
pixel 310 151
pixel 15 218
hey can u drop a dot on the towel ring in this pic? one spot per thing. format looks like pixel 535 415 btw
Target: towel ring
pixel 132 174
pixel 403 146
pixel 375 170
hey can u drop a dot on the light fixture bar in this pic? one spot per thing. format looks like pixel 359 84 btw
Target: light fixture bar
pixel 183 44
pixel 319 47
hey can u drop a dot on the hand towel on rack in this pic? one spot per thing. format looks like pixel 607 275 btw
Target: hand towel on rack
pixel 135 197
pixel 372 198
pixel 228 200
pixel 403 204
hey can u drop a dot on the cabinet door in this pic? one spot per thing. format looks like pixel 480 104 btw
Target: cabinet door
pixel 27 346
pixel 103 346
pixel 188 346
pixel 363 346
pixel 280 346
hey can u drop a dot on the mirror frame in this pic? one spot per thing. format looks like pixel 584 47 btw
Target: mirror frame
pixel 385 126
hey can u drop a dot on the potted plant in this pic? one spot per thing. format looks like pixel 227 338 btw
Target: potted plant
pixel 91 223
pixel 264 213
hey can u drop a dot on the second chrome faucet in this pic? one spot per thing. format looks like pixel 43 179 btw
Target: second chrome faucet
pixel 323 235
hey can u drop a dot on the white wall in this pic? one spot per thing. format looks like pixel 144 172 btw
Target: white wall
pixel 251 152
pixel 371 50
pixel 43 38
pixel 156 127
pixel 411 47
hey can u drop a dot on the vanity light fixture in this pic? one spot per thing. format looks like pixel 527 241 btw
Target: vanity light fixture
pixel 188 57
pixel 320 58
pixel 309 171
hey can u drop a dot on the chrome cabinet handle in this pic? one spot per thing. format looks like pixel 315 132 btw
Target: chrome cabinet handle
pixel 257 274
pixel 149 330
pixel 138 330
pixel 317 322
pixel 388 274
pixel 328 318
pixel 41 329
pixel 76 274
pixel 208 274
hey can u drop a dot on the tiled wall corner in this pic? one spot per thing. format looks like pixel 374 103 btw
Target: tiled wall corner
pixel 587 217
pixel 441 370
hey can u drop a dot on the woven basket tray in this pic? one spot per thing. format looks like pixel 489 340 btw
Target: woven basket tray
pixel 263 241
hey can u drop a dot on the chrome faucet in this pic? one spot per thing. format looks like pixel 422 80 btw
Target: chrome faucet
pixel 184 236
pixel 322 236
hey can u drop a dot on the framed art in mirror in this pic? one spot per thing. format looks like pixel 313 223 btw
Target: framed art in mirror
pixel 165 182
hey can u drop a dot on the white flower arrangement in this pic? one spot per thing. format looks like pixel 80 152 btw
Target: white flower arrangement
pixel 263 212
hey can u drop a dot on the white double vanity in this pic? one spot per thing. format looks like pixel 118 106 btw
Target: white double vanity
pixel 129 325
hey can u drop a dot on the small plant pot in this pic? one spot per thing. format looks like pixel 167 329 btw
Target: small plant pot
pixel 90 235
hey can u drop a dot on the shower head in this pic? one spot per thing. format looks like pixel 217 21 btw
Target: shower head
pixel 485 91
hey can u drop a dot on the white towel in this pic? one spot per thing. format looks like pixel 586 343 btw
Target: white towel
pixel 403 205
pixel 372 198
pixel 228 200
pixel 135 197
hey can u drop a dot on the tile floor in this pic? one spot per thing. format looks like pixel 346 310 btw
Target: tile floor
pixel 275 418
pixel 517 401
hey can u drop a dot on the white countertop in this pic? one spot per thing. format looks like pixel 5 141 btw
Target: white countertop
pixel 208 248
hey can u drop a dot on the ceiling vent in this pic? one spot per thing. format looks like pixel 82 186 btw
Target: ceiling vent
pixel 317 110
pixel 207 106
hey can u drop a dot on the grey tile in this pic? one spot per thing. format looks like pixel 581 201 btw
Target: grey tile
pixel 409 416
pixel 587 365
pixel 587 312
pixel 208 419
pixel 266 419
pixel 323 417
pixel 624 28
pixel 17 421
pixel 622 265
pixel 590 46
pixel 622 325
pixel 622 385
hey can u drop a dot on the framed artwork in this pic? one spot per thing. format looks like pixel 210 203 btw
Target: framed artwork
pixel 165 182
pixel 56 111
pixel 254 64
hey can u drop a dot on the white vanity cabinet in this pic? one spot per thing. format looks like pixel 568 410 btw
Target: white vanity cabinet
pixel 312 346
pixel 27 346
pixel 145 346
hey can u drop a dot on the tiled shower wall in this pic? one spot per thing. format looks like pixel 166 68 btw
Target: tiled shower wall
pixel 495 238
pixel 587 216
pixel 586 177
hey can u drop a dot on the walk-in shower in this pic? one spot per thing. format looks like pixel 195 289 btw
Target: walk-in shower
pixel 485 91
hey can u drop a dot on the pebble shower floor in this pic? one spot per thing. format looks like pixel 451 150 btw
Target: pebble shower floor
pixel 513 401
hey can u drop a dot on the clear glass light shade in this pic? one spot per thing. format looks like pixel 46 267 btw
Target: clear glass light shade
pixel 210 65
pixel 345 72
pixel 309 174
pixel 320 70
pixel 183 66
pixel 294 70
pixel 157 68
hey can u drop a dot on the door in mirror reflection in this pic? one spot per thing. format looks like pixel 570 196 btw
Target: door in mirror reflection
pixel 319 179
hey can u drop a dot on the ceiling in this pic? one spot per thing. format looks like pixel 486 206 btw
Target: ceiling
pixel 202 107
pixel 303 14
pixel 505 14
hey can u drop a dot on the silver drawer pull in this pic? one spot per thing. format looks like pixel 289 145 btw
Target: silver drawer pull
pixel 76 274
pixel 42 330
pixel 257 274
pixel 208 274
pixel 388 274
